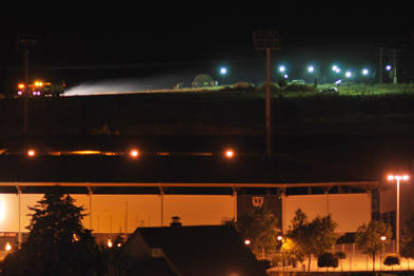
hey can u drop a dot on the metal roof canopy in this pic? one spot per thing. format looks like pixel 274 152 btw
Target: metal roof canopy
pixel 161 188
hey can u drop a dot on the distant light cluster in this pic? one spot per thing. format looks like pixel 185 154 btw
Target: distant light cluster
pixel 132 153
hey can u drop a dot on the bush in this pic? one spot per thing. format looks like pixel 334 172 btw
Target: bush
pixel 299 88
pixel 274 88
pixel 328 260
pixel 392 260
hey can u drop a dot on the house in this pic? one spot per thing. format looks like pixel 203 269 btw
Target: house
pixel 195 250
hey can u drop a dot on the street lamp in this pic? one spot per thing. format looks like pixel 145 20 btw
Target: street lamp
pixel 398 179
pixel 223 71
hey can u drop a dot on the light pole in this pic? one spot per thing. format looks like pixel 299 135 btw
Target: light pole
pixel 397 179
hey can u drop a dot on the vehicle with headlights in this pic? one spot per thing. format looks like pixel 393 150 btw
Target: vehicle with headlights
pixel 40 89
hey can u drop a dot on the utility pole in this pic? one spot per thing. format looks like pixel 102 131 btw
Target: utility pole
pixel 381 65
pixel 394 64
pixel 267 40
pixel 26 44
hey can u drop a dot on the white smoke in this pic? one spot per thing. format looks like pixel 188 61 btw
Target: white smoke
pixel 126 86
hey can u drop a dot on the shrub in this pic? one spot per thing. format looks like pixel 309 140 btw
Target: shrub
pixel 328 260
pixel 392 260
pixel 299 88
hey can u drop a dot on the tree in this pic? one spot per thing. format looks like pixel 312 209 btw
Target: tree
pixel 392 260
pixel 369 238
pixel 407 241
pixel 261 228
pixel 341 256
pixel 328 260
pixel 312 238
pixel 57 244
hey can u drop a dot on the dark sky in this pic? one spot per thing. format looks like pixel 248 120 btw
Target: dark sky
pixel 308 33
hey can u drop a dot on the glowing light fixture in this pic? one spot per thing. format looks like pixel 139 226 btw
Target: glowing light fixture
pixel 247 242
pixel 134 153
pixel 398 179
pixel 8 247
pixel 229 153
pixel 109 243
pixel 223 71
pixel 31 153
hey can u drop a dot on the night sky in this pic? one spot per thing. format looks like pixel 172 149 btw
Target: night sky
pixel 101 49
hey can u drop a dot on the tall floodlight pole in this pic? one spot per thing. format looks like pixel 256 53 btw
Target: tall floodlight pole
pixel 394 65
pixel 381 57
pixel 268 41
pixel 25 44
pixel 398 179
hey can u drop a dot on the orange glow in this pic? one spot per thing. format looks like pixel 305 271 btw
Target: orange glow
pixel 31 153
pixel 247 242
pixel 86 152
pixel 8 247
pixel 404 177
pixel 229 154
pixel 21 86
pixel 383 238
pixel 38 84
pixel 109 243
pixel 134 153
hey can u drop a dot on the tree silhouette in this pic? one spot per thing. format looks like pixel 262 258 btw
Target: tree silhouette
pixel 313 238
pixel 368 238
pixel 261 228
pixel 57 244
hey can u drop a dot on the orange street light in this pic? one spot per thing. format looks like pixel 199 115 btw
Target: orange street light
pixel 398 179
pixel 134 153
pixel 31 153
pixel 229 154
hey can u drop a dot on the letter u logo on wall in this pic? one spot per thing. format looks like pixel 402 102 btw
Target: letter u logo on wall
pixel 257 201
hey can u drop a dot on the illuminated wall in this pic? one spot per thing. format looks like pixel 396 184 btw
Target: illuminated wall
pixel 117 213
pixel 349 211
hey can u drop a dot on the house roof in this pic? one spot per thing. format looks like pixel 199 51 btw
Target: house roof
pixel 203 250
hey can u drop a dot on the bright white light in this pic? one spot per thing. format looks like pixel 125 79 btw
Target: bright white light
pixel 335 68
pixel 348 74
pixel 398 177
pixel 223 71
pixel 247 242
pixel 8 247
pixel 285 76
pixel 282 69
pixel 109 243
pixel 229 154
pixel 365 72
pixel 31 153
pixel 388 67
pixel 134 153
pixel 311 69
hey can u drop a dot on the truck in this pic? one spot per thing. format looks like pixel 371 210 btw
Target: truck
pixel 40 89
